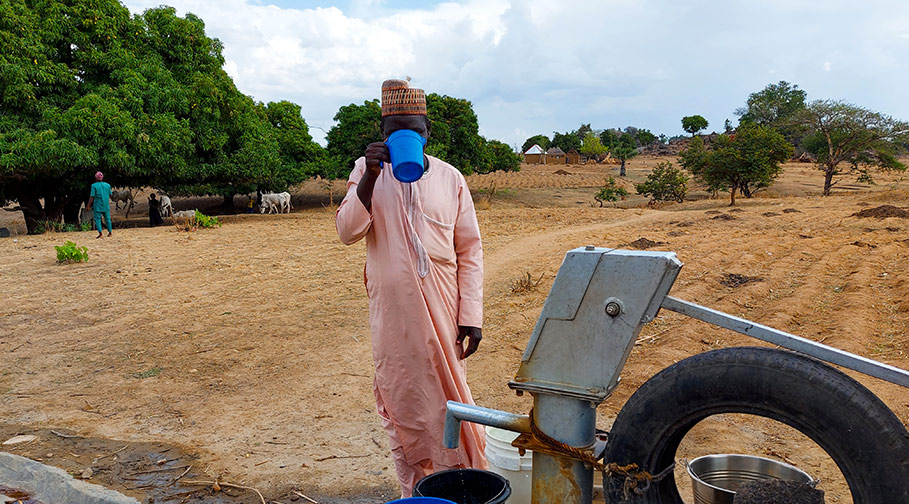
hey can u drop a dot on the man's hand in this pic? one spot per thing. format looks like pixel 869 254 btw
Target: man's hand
pixel 474 335
pixel 376 154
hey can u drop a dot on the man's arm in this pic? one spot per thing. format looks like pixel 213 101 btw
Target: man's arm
pixel 376 155
pixel 469 251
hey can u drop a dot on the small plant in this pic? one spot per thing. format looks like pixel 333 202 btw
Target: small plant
pixel 155 371
pixel 48 226
pixel 85 226
pixel 610 192
pixel 205 221
pixel 525 283
pixel 69 252
pixel 664 183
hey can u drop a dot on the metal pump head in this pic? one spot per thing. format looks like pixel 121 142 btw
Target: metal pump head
pixel 600 300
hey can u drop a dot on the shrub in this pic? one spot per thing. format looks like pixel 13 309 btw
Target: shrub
pixel 205 221
pixel 664 183
pixel 48 226
pixel 69 252
pixel 610 192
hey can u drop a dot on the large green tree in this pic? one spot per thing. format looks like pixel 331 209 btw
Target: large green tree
pixel 775 106
pixel 499 157
pixel 455 133
pixel 693 124
pixel 85 86
pixel 592 147
pixel 745 161
pixel 356 126
pixel 566 141
pixel 454 137
pixel 542 140
pixel 839 132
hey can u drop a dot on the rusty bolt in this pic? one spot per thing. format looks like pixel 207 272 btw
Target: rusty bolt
pixel 613 309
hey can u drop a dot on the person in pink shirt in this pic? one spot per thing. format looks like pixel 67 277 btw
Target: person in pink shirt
pixel 424 280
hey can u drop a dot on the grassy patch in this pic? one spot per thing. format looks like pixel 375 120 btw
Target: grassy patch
pixel 155 371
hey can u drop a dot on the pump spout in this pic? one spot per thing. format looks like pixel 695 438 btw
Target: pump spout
pixel 459 411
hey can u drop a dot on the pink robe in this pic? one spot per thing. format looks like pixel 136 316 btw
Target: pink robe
pixel 424 278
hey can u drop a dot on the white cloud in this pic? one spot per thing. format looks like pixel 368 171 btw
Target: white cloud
pixel 536 66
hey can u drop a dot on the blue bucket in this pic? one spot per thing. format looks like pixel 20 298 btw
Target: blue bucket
pixel 406 150
pixel 422 500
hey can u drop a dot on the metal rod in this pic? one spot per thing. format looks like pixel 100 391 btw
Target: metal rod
pixel 833 355
pixel 459 411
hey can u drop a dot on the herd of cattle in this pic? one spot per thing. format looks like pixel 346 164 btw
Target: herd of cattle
pixel 272 203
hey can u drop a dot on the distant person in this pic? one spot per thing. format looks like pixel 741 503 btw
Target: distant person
pixel 99 200
pixel 424 280
pixel 249 205
pixel 154 211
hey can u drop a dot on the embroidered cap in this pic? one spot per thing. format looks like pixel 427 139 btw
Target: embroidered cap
pixel 398 98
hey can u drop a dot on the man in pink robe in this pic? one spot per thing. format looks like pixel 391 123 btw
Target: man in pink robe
pixel 424 279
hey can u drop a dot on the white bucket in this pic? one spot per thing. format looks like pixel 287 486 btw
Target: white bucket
pixel 505 461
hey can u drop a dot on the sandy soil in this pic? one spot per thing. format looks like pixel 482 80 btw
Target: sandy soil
pixel 248 347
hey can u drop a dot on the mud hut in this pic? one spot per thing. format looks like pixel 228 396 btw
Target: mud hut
pixel 556 155
pixel 535 155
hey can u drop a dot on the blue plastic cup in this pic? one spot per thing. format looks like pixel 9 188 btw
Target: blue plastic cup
pixel 406 150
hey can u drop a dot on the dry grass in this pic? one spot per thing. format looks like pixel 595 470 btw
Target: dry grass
pixel 525 283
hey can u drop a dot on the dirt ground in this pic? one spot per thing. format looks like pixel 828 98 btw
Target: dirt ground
pixel 243 352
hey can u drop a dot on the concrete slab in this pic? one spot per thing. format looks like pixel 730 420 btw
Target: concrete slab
pixel 54 485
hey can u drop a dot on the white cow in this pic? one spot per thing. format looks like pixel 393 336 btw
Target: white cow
pixel 271 203
pixel 285 202
pixel 184 214
pixel 275 203
pixel 166 208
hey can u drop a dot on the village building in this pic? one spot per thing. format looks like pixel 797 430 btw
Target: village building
pixel 556 155
pixel 535 155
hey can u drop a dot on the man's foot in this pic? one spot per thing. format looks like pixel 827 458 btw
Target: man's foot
pixel 108 234
pixel 99 236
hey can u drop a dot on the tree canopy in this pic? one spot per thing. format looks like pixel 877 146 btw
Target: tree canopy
pixel 773 104
pixel 776 106
pixel 838 132
pixel 745 161
pixel 542 140
pixel 85 86
pixel 356 127
pixel 693 124
pixel 454 137
pixel 592 147
pixel 664 183
pixel 566 141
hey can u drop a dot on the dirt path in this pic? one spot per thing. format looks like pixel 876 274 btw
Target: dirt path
pixel 248 345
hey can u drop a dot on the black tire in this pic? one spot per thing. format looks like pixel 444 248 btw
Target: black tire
pixel 865 439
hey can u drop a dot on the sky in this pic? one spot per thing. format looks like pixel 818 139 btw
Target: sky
pixel 538 66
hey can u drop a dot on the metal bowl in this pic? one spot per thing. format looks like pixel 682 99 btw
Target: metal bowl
pixel 715 478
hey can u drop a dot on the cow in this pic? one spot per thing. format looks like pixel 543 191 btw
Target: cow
pixel 285 202
pixel 275 203
pixel 271 202
pixel 167 208
pixel 184 214
pixel 127 196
